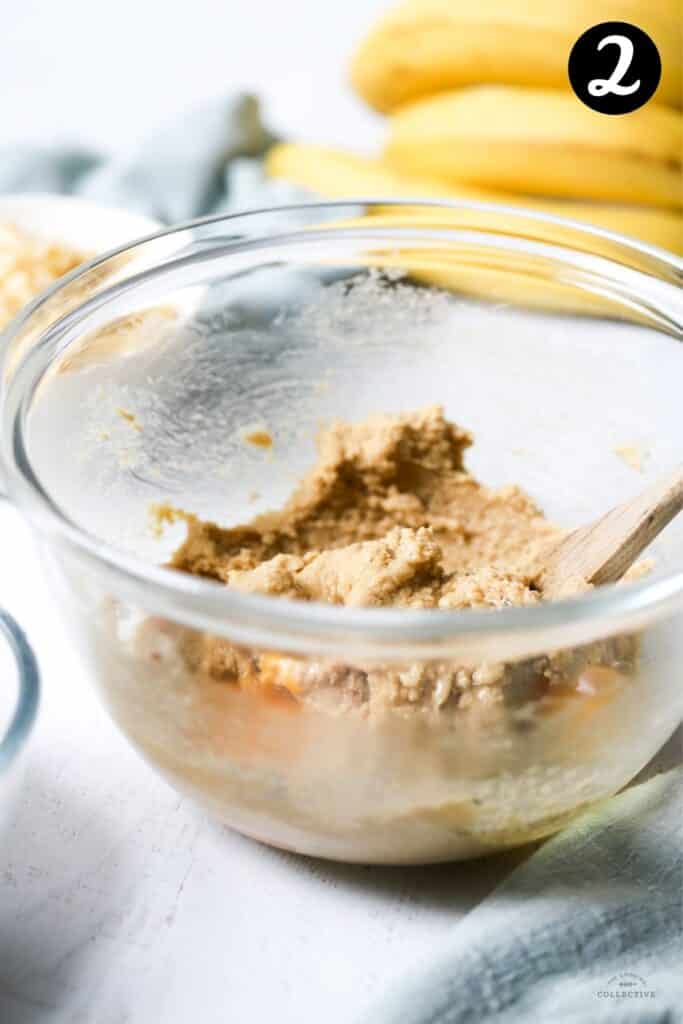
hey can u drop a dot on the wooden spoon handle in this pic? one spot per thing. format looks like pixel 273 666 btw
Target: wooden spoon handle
pixel 602 551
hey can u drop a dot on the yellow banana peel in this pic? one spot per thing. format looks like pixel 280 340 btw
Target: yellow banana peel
pixel 543 142
pixel 340 175
pixel 336 174
pixel 428 46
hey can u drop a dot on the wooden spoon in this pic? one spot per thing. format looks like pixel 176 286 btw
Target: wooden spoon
pixel 602 551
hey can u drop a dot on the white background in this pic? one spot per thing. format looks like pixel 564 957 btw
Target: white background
pixel 119 903
pixel 105 73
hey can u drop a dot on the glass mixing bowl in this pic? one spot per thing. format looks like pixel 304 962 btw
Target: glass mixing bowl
pixel 137 380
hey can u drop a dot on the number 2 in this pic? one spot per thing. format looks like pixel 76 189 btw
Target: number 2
pixel 603 86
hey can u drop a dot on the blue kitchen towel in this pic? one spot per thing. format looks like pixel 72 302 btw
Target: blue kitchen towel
pixel 590 928
pixel 181 171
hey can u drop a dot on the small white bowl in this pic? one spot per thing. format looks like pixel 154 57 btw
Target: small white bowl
pixel 89 228
pixel 74 222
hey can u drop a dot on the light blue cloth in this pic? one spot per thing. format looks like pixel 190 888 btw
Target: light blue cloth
pixel 595 909
pixel 183 170
pixel 595 914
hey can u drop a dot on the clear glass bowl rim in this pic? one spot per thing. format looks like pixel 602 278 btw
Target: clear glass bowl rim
pixel 297 625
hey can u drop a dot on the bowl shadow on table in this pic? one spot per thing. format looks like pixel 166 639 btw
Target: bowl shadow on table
pixel 458 885
pixel 455 886
pixel 49 923
pixel 668 757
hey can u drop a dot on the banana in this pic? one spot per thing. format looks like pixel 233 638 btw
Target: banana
pixel 428 46
pixel 540 141
pixel 339 175
pixel 336 174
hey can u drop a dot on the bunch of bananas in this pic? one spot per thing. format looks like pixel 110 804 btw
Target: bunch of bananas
pixel 522 137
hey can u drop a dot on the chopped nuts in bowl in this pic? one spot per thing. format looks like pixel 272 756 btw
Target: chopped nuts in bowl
pixel 28 265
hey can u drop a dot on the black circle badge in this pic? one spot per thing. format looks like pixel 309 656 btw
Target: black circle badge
pixel 614 67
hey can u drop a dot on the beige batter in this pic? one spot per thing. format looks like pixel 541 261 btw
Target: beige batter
pixel 389 516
